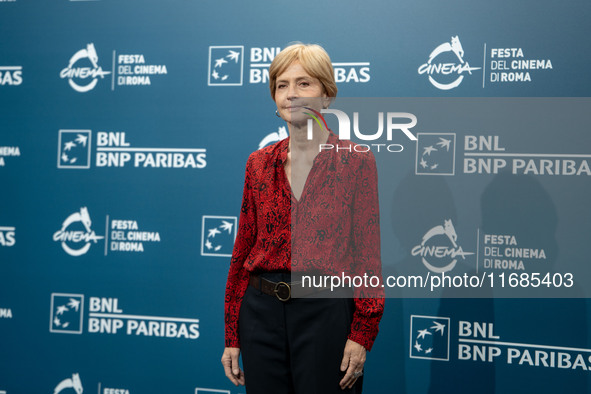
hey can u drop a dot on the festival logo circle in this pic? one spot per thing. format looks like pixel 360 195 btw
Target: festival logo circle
pixel 73 383
pixel 439 248
pixel 83 70
pixel 441 66
pixel 76 236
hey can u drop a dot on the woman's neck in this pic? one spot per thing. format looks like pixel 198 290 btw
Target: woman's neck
pixel 301 145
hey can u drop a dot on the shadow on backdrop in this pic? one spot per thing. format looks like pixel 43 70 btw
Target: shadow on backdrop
pixel 519 205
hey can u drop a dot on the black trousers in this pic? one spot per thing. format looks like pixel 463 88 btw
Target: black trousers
pixel 294 347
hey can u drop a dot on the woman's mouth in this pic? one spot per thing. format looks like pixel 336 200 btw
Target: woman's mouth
pixel 295 108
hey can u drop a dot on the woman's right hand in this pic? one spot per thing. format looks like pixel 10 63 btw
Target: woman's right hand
pixel 231 367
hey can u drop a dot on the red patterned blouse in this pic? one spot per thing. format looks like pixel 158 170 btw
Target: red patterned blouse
pixel 333 228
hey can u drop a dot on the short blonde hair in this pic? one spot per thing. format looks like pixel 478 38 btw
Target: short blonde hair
pixel 313 59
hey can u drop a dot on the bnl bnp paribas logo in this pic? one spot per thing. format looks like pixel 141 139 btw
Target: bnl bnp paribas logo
pixel 74 149
pixel 217 235
pixel 446 66
pixel 11 75
pixel 227 66
pixel 429 337
pixel 114 150
pixel 435 154
pixel 7 236
pixel 105 316
pixel 66 313
pixel 76 235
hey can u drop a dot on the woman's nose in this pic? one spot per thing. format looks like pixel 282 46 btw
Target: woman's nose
pixel 292 92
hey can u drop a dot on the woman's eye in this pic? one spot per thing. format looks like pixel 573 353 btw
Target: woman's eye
pixel 303 83
pixel 280 86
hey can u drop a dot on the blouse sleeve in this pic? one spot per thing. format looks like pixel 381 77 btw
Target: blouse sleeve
pixel 369 301
pixel 238 276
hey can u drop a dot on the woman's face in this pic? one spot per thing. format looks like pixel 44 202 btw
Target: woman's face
pixel 296 89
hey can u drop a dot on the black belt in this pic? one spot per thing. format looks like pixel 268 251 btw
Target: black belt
pixel 282 290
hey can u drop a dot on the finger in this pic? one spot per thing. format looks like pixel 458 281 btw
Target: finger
pixel 345 361
pixel 344 382
pixel 230 375
pixel 348 376
pixel 227 363
pixel 347 381
pixel 352 383
pixel 240 378
pixel 235 366
pixel 356 377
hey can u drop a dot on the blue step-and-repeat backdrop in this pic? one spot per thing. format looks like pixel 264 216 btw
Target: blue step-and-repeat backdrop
pixel 124 131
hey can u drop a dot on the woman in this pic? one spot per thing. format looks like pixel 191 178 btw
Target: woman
pixel 304 210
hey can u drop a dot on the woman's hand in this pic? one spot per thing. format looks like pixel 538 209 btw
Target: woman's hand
pixel 231 366
pixel 353 360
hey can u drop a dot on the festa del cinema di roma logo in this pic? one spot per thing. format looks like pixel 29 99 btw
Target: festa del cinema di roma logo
pixel 75 235
pixel 439 249
pixel 70 383
pixel 74 385
pixel 439 72
pixel 83 71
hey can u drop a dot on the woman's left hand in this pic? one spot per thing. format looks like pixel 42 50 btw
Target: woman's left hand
pixel 353 360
